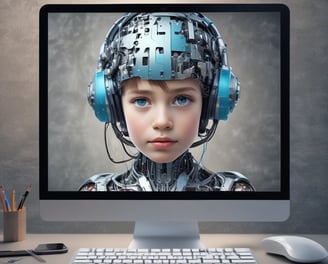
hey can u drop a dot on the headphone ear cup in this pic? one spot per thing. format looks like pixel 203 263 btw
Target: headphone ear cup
pixel 105 100
pixel 222 106
pixel 97 97
pixel 228 94
pixel 223 97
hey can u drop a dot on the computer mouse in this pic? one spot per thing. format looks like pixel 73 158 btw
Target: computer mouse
pixel 295 248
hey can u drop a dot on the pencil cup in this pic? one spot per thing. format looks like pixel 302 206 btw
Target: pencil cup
pixel 14 225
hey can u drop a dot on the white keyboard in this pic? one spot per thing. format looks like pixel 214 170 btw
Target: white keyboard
pixel 163 256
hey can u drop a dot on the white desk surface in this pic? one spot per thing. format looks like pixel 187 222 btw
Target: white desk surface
pixel 75 241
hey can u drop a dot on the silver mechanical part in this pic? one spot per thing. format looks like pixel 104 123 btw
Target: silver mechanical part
pixel 195 178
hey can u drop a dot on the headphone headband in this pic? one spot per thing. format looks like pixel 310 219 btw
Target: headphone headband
pixel 164 46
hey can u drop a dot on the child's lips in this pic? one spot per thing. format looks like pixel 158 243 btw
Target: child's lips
pixel 162 142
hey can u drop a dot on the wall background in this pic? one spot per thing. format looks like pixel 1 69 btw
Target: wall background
pixel 19 158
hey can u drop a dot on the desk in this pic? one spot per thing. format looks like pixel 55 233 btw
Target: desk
pixel 74 241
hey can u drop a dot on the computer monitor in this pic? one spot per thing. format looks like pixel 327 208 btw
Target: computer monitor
pixel 254 141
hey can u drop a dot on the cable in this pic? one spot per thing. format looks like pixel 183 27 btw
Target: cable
pixel 203 153
pixel 208 135
pixel 107 148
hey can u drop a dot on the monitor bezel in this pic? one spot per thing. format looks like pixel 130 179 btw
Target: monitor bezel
pixel 46 194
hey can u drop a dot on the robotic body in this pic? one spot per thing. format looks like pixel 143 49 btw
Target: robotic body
pixel 146 175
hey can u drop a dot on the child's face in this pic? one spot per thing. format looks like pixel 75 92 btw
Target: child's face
pixel 162 121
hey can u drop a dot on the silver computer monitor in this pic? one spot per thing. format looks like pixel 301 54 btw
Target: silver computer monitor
pixel 254 141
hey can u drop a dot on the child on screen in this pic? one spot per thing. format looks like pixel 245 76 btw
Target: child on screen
pixel 163 82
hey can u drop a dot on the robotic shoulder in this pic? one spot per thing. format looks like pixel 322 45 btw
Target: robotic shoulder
pixel 235 182
pixel 97 183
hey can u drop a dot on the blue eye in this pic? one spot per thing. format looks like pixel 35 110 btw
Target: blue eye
pixel 141 102
pixel 182 100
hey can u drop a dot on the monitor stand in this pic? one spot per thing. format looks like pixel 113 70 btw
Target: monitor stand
pixel 170 234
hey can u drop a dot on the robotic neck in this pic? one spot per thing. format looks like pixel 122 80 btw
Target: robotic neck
pixel 171 176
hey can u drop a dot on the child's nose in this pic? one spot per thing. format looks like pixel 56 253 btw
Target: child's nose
pixel 162 119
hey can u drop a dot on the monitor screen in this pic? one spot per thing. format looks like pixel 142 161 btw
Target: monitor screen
pixel 90 156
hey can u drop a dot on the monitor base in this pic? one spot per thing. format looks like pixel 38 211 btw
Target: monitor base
pixel 166 235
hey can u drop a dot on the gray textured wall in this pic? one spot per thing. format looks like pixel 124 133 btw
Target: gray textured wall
pixel 19 117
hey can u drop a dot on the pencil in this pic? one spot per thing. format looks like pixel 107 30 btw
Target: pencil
pixel 13 202
pixel 3 200
pixel 22 201
pixel 6 200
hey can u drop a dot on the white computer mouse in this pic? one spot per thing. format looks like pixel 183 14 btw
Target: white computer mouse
pixel 295 248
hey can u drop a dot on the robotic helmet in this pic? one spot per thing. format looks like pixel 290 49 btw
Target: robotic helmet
pixel 164 46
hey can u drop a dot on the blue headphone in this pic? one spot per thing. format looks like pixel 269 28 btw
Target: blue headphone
pixel 163 46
